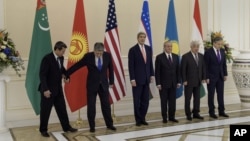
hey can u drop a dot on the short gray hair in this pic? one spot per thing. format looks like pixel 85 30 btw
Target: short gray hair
pixel 194 43
pixel 98 46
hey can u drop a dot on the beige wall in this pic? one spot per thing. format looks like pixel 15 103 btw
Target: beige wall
pixel 19 20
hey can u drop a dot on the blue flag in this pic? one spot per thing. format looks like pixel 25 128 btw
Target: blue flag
pixel 172 34
pixel 146 28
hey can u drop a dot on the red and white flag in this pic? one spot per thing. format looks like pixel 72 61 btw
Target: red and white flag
pixel 112 45
pixel 197 27
pixel 197 36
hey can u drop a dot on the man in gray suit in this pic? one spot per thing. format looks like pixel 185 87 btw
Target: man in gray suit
pixel 193 74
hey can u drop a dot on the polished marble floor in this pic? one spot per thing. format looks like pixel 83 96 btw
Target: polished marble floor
pixel 205 130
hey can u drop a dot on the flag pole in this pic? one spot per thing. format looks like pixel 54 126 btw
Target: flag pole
pixel 79 121
pixel 113 112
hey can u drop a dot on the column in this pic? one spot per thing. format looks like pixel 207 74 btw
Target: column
pixel 1 14
pixel 3 80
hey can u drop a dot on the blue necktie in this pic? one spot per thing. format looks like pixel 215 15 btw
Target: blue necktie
pixel 99 64
pixel 218 55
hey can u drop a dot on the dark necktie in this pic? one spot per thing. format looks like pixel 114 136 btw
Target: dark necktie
pixel 218 55
pixel 99 64
pixel 59 63
pixel 196 59
pixel 169 59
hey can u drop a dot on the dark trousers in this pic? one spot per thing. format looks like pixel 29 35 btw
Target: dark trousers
pixel 141 102
pixel 168 101
pixel 105 106
pixel 219 86
pixel 60 107
pixel 189 91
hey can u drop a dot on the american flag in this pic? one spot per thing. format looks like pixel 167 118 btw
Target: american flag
pixel 112 45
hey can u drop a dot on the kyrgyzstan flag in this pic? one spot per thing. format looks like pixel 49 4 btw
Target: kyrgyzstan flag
pixel 75 91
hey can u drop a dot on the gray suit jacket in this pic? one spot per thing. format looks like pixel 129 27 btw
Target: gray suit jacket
pixel 190 72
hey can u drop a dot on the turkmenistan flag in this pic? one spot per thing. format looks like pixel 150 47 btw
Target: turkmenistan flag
pixel 197 36
pixel 40 45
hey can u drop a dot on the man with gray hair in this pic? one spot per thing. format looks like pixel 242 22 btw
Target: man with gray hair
pixel 193 74
pixel 100 78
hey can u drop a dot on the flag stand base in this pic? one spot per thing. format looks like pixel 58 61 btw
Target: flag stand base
pixel 79 123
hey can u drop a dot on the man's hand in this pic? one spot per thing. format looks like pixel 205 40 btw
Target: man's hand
pixel 185 83
pixel 159 87
pixel 207 81
pixel 178 85
pixel 133 83
pixel 225 78
pixel 152 79
pixel 47 93
pixel 66 80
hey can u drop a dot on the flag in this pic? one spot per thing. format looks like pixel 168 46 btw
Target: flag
pixel 40 46
pixel 172 34
pixel 197 36
pixel 112 45
pixel 146 28
pixel 75 91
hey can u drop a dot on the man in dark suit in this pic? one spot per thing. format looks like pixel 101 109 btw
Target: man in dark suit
pixel 100 78
pixel 216 68
pixel 141 74
pixel 167 77
pixel 193 74
pixel 51 73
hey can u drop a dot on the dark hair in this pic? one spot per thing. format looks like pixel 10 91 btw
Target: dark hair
pixel 60 45
pixel 141 33
pixel 99 46
pixel 216 39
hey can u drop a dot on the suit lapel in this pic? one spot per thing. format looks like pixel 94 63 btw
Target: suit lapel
pixel 139 52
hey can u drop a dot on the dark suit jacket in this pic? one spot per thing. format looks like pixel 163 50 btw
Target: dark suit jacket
pixel 215 69
pixel 96 77
pixel 51 75
pixel 167 75
pixel 138 70
pixel 190 72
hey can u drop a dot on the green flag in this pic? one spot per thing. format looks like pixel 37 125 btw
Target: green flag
pixel 40 45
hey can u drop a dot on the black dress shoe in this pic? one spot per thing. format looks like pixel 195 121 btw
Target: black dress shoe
pixel 92 130
pixel 165 121
pixel 144 123
pixel 138 124
pixel 71 130
pixel 111 128
pixel 173 120
pixel 189 118
pixel 198 117
pixel 213 116
pixel 45 134
pixel 223 115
